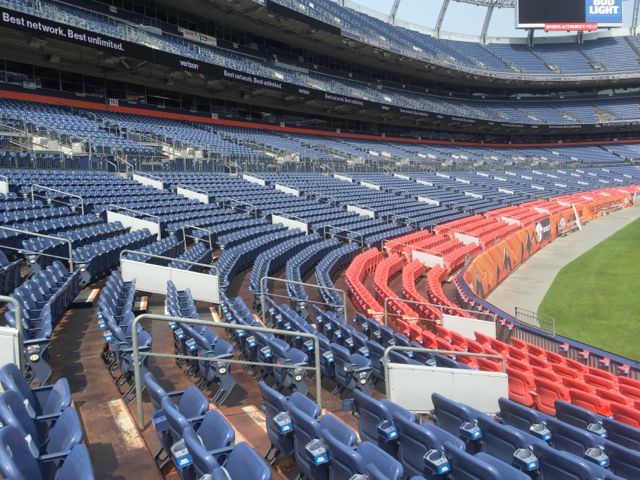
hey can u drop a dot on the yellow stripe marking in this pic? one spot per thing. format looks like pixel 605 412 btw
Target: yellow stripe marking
pixel 124 422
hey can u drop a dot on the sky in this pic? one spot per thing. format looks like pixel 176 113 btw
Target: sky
pixel 462 17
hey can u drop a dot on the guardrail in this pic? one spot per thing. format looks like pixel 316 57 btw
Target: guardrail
pixel 50 200
pixel 69 259
pixel 548 324
pixel 136 355
pixel 263 294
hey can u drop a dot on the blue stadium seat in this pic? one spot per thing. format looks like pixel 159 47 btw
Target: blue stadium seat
pixel 49 400
pixel 18 463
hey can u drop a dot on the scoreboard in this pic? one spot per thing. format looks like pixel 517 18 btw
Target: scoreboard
pixel 567 15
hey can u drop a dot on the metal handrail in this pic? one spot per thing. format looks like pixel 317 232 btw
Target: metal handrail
pixel 68 194
pixel 232 326
pixel 161 257
pixel 184 234
pixel 397 348
pixel 18 311
pixel 340 229
pixel 263 281
pixel 42 235
pixel 435 305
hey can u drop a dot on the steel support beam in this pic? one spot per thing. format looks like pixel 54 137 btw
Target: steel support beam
pixel 441 15
pixel 634 20
pixel 394 11
pixel 487 22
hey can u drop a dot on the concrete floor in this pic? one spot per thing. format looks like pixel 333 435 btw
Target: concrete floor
pixel 527 286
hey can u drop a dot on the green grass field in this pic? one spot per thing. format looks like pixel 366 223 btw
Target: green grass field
pixel 596 298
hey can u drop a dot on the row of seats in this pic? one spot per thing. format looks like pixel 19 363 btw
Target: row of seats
pixel 198 440
pixel 10 274
pixel 115 319
pixel 43 300
pixel 201 343
pixel 41 434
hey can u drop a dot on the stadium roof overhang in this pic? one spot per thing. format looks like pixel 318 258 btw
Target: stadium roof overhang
pixel 23 47
pixel 290 27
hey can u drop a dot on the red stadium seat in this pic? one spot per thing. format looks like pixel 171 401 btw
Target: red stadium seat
pixel 489 365
pixel 626 414
pixel 518 354
pixel 545 373
pixel 555 358
pixel 538 361
pixel 520 387
pixel 599 382
pixel 578 384
pixel 631 392
pixel 482 338
pixel 613 396
pixel 519 365
pixel 596 372
pixel 547 392
pixel 564 371
pixel 591 402
pixel 632 382
pixel 577 366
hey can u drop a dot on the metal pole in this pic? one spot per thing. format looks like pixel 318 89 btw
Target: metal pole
pixel 41 235
pixel 318 287
pixel 385 359
pixel 151 255
pixel 231 326
pixel 18 310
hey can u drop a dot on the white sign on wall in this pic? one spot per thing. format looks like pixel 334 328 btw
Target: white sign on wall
pixel 148 181
pixel 199 196
pixel 133 222
pixel 288 190
pixel 289 222
pixel 252 179
pixel 361 211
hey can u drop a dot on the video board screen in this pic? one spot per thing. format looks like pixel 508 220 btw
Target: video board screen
pixel 568 14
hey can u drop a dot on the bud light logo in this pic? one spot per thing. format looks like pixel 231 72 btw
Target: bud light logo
pixel 604 11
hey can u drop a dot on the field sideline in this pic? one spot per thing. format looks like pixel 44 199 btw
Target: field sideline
pixel 596 298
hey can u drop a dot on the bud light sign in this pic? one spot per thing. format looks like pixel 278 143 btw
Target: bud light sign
pixel 604 11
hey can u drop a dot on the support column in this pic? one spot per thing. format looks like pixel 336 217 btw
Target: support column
pixel 487 22
pixel 443 12
pixel 394 11
pixel 634 20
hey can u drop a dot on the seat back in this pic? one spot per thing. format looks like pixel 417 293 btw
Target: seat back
pixel 501 441
pixel 571 439
pixel 13 412
pixel 203 462
pixel 65 433
pixel 156 392
pixel 622 434
pixel 244 462
pixel 559 465
pixel 177 422
pixel 77 465
pixel 371 413
pixel 274 403
pixel 518 415
pixel 16 460
pixel 450 415
pixel 193 403
pixel 345 461
pixel 11 378
pixel 467 467
pixel 413 442
pixel 575 415
pixel 215 432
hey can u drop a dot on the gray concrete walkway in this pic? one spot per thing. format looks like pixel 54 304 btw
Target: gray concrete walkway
pixel 527 286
